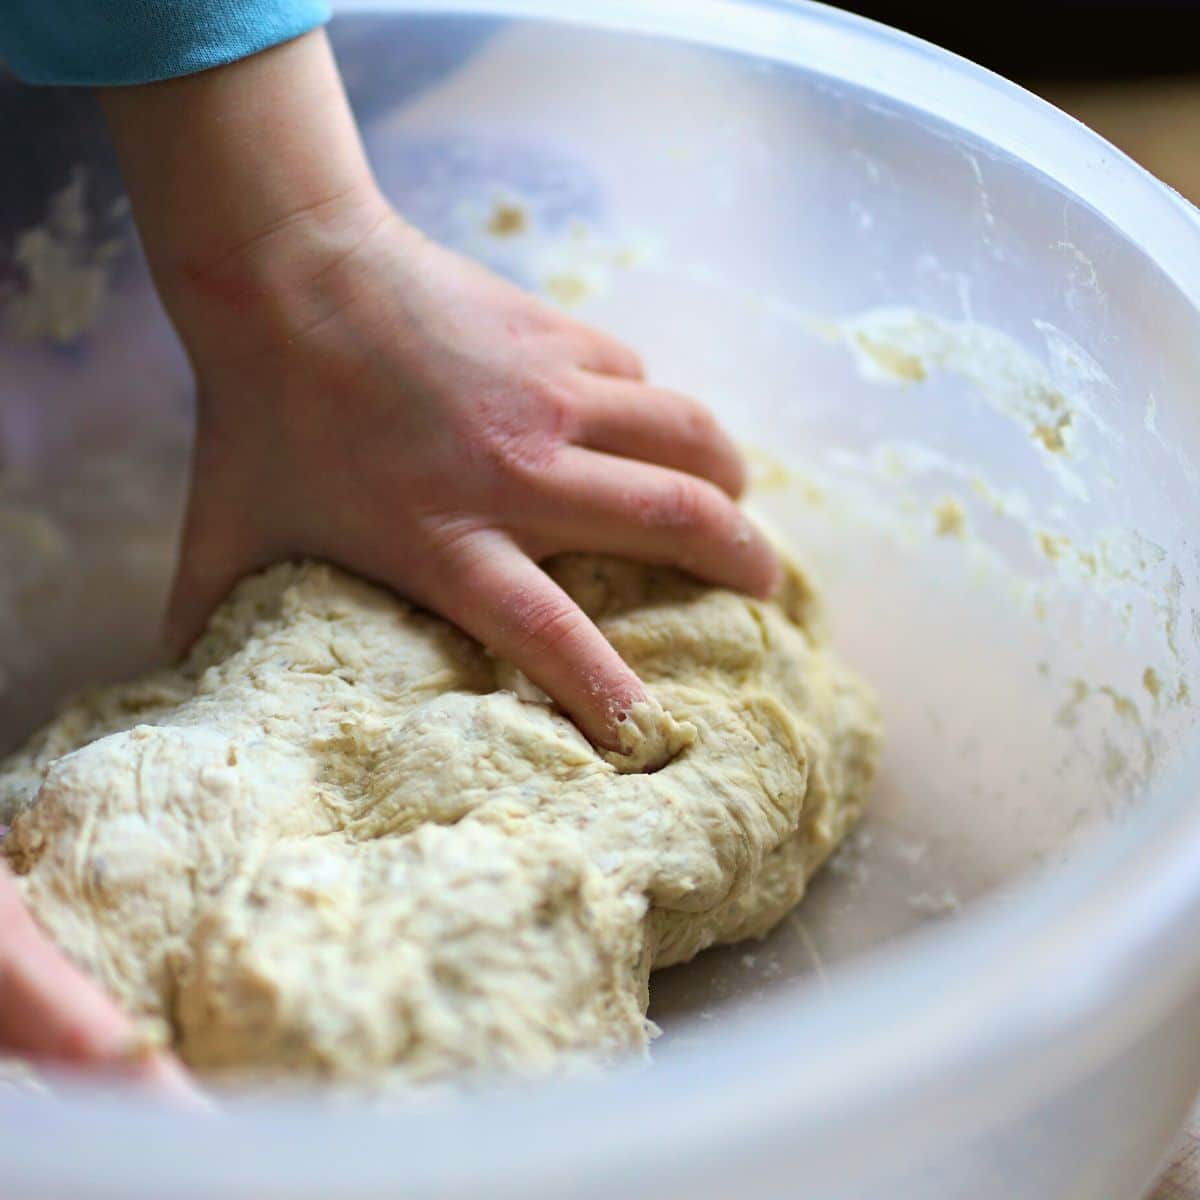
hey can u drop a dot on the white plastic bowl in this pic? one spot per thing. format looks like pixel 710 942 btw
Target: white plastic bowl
pixel 790 211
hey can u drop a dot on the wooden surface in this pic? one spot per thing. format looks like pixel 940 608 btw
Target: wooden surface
pixel 1156 122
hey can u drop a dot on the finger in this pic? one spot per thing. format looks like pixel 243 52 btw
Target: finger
pixel 50 1011
pixel 163 1073
pixel 493 591
pixel 606 505
pixel 605 355
pixel 659 426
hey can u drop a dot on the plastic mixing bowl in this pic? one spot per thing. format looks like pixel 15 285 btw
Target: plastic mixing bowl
pixel 961 336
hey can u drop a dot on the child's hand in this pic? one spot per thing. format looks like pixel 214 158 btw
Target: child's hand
pixel 418 420
pixel 52 1013
pixel 372 399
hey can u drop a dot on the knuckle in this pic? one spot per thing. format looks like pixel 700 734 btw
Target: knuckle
pixel 450 538
pixel 683 506
pixel 523 459
pixel 556 409
pixel 705 433
pixel 735 476
pixel 521 441
pixel 626 361
pixel 544 622
pixel 699 425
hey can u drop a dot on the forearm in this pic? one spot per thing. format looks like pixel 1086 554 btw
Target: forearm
pixel 222 166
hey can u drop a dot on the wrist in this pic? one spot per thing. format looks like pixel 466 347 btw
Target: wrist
pixel 282 281
pixel 246 181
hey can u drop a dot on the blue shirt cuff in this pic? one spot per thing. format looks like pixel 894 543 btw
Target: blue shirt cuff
pixel 100 43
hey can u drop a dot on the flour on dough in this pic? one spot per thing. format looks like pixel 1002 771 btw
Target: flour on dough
pixel 329 843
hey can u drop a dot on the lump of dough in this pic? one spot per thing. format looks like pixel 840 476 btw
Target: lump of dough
pixel 331 843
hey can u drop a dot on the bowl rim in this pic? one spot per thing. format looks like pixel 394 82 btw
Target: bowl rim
pixel 1018 991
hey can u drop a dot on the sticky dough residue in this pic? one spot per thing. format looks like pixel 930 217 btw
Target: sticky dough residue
pixel 569 265
pixel 906 346
pixel 1117 567
pixel 1038 544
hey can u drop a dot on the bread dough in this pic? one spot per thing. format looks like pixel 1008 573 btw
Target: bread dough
pixel 335 841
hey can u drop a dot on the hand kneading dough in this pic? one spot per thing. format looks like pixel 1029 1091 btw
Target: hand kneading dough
pixel 329 844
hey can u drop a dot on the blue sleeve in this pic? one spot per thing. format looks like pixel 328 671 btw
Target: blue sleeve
pixel 103 42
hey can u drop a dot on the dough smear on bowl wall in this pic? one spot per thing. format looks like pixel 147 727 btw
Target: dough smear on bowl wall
pixel 332 843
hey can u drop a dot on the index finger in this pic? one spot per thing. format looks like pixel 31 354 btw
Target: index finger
pixel 497 594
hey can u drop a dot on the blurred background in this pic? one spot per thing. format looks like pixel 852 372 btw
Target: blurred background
pixel 1130 70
